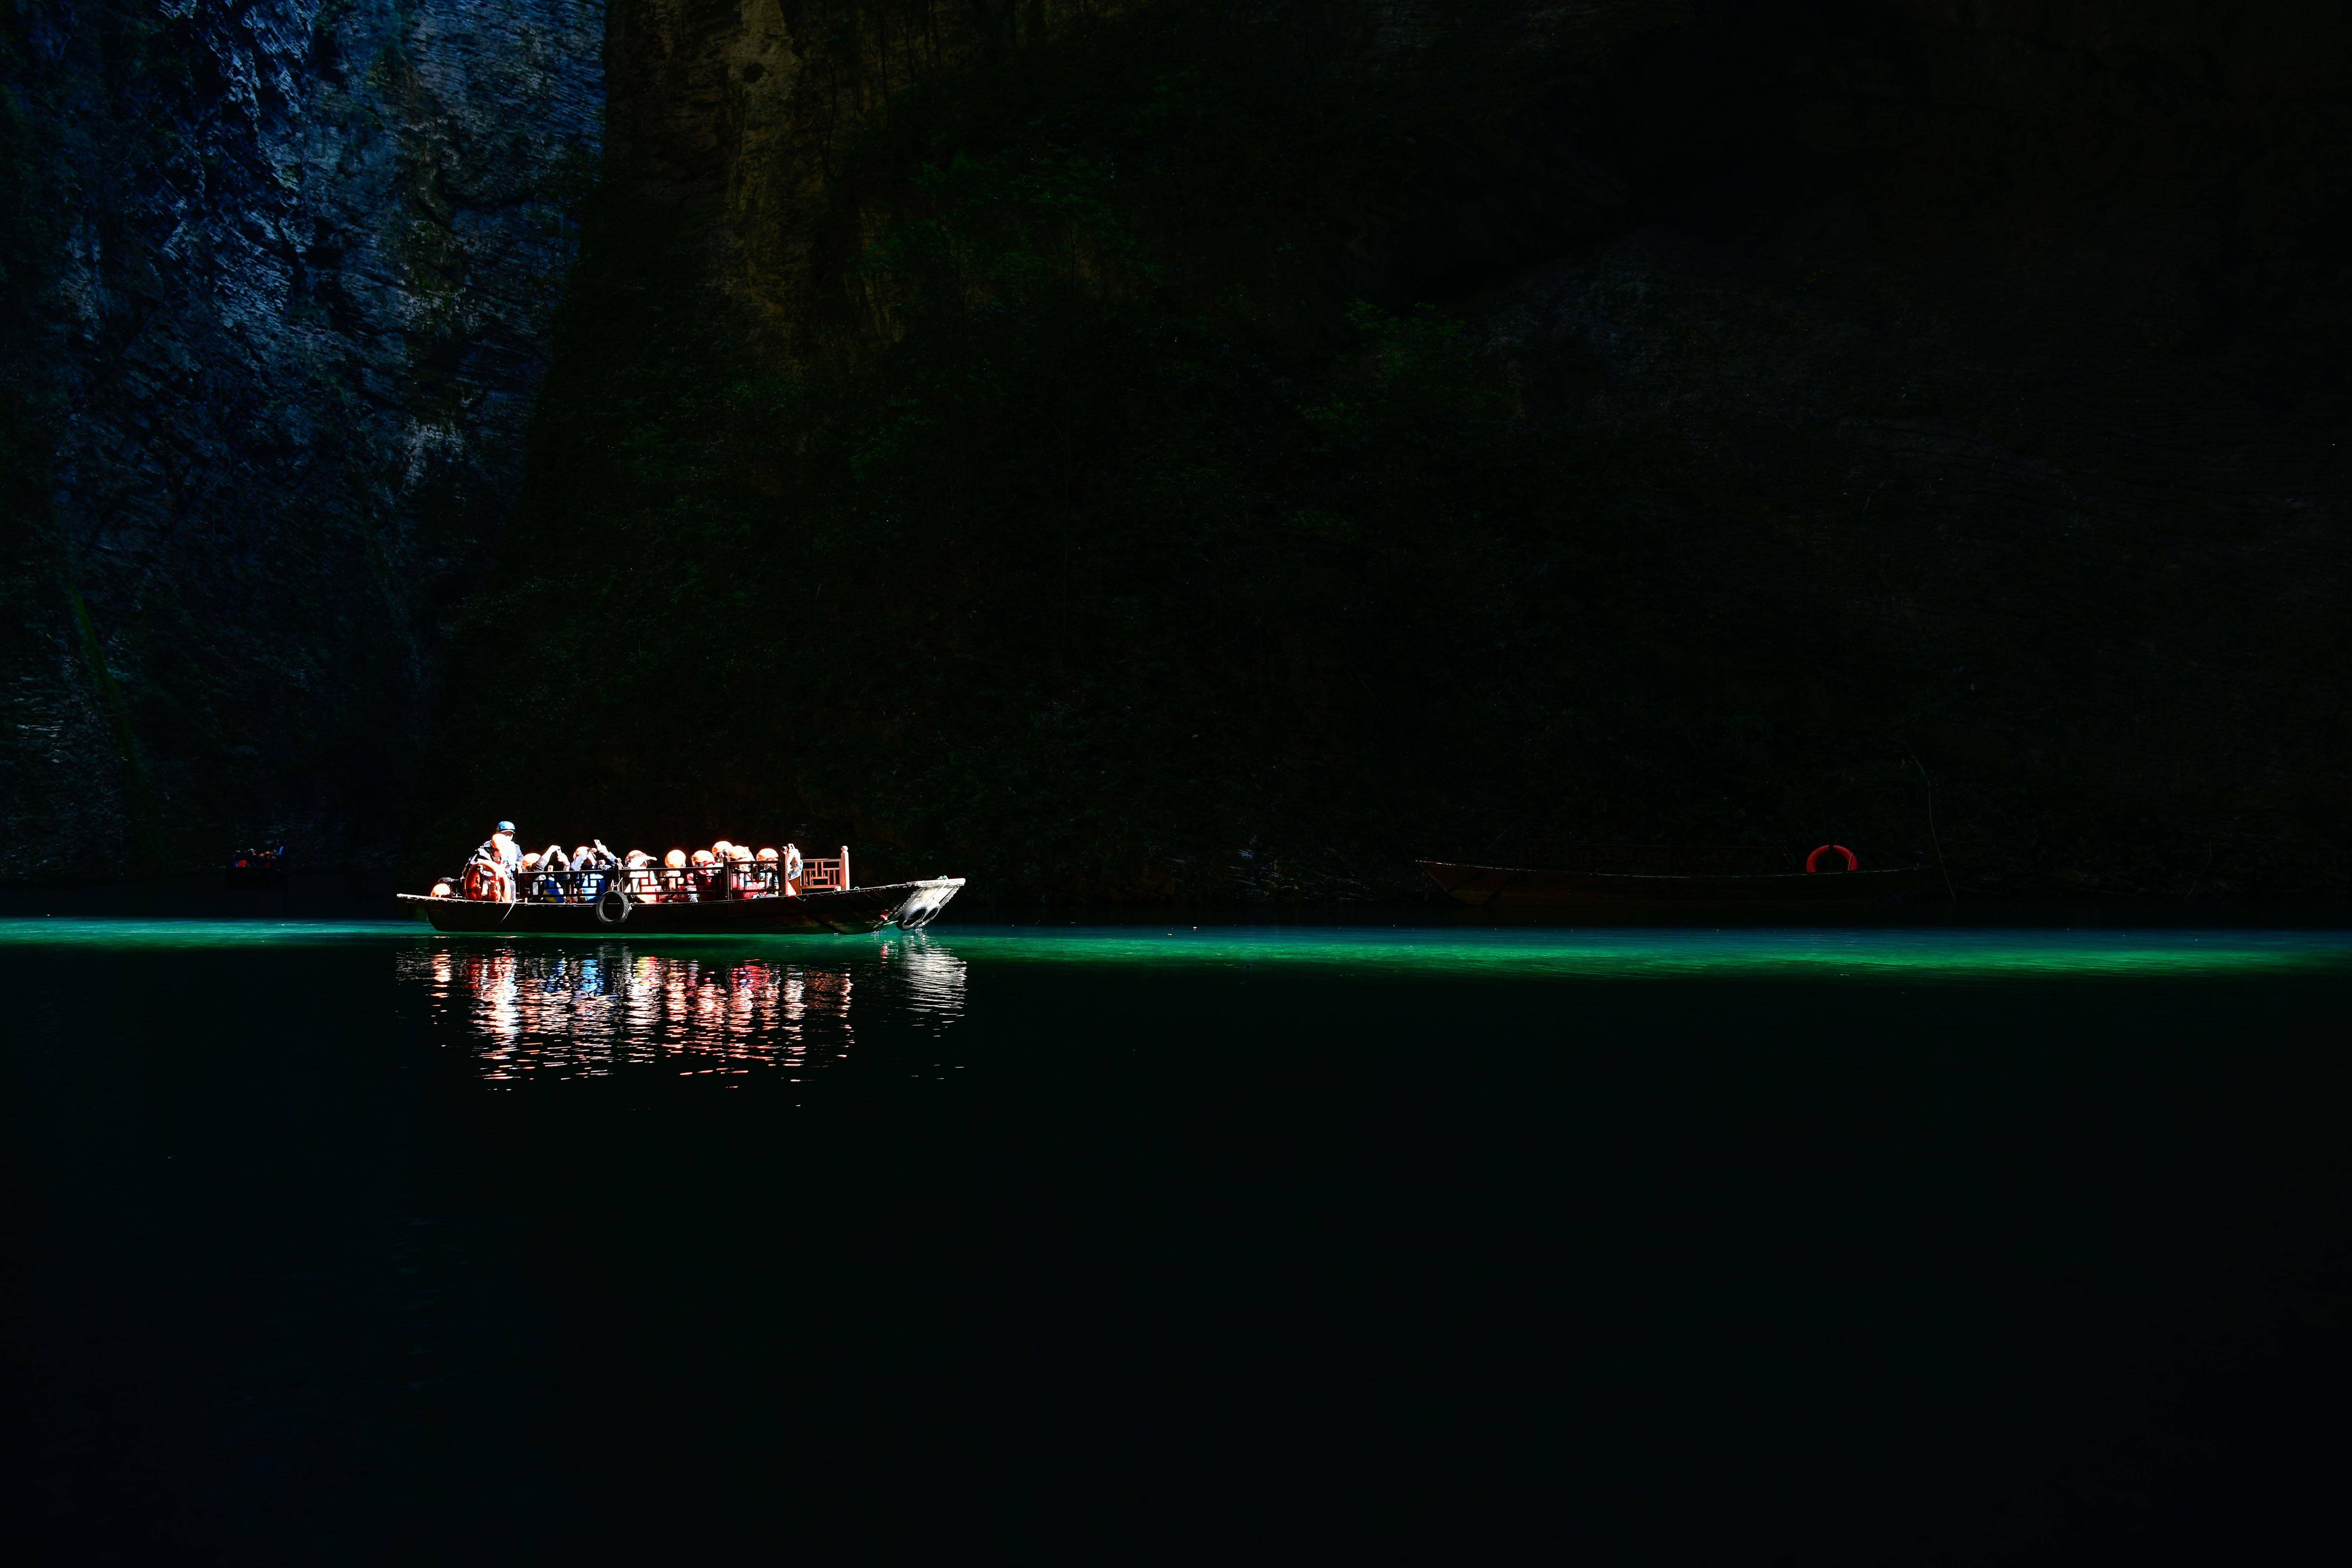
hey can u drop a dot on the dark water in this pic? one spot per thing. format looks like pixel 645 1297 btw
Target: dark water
pixel 335 1243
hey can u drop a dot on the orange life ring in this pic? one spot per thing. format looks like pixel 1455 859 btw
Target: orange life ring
pixel 1813 861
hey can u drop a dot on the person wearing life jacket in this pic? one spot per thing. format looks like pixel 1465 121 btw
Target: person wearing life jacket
pixel 491 872
pixel 673 878
pixel 500 848
pixel 706 874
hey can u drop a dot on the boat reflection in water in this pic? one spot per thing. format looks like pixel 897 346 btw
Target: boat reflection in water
pixel 536 1011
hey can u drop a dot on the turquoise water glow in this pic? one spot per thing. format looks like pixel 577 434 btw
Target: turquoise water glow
pixel 1684 953
pixel 49 932
pixel 1988 953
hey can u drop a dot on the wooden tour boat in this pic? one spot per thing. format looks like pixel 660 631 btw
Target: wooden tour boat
pixel 660 901
pixel 1674 877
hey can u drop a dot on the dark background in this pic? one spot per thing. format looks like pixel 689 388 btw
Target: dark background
pixel 1070 445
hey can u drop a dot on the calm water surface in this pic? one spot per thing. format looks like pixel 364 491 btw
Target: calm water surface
pixel 351 1243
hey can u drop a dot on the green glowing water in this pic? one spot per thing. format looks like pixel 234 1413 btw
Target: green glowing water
pixel 1990 954
pixel 197 933
pixel 1680 954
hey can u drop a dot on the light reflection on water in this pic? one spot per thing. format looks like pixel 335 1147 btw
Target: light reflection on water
pixel 562 1011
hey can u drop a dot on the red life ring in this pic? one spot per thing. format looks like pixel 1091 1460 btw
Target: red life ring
pixel 1813 861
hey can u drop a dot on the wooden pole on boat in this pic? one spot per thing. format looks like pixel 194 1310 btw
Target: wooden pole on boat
pixel 846 882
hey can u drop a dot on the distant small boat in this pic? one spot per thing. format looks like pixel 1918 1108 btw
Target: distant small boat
pixel 1631 878
pixel 257 867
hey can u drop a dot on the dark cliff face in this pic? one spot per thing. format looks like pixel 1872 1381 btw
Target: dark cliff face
pixel 1075 445
pixel 280 279
pixel 1818 399
pixel 2010 357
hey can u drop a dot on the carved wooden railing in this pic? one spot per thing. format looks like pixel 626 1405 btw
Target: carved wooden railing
pixel 825 876
pixel 688 884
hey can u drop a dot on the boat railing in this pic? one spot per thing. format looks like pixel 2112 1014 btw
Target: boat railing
pixel 685 884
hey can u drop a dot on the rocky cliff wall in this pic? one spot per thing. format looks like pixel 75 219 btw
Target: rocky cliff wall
pixel 281 273
pixel 1895 391
pixel 2021 329
pixel 1893 387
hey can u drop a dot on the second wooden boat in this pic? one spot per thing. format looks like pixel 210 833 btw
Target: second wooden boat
pixel 1673 877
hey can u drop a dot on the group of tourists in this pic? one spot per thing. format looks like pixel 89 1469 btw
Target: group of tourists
pixel 502 870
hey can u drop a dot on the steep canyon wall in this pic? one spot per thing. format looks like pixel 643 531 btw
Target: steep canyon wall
pixel 281 278
pixel 1081 444
pixel 1821 400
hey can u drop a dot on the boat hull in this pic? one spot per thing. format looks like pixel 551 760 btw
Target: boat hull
pixel 911 905
pixel 1526 888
